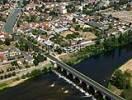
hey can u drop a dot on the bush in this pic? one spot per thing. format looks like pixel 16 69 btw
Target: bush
pixel 120 80
pixel 127 94
pixel 35 73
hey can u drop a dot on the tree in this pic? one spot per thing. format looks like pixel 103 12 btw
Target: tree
pixel 35 73
pixel 70 8
pixel 58 50
pixel 77 27
pixel 36 62
pixel 74 20
pixel 41 57
pixel 7 41
pixel 120 80
pixel 127 94
pixel 14 63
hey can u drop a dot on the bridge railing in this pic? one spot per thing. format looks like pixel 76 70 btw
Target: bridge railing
pixel 86 79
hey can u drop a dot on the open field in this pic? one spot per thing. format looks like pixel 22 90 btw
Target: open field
pixel 88 35
pixel 64 34
pixel 122 15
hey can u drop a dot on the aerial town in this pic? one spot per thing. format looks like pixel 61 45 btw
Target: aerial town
pixel 87 44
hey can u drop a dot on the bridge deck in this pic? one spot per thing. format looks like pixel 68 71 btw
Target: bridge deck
pixel 86 79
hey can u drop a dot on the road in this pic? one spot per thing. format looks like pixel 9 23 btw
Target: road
pixel 11 20
pixel 9 25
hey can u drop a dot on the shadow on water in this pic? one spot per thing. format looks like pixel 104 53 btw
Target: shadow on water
pixel 101 67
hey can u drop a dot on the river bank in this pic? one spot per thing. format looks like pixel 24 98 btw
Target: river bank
pixel 45 87
pixel 99 61
pixel 121 81
pixel 127 66
pixel 99 48
pixel 28 76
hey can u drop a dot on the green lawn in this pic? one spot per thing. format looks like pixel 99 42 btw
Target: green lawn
pixel 127 94
pixel 3 86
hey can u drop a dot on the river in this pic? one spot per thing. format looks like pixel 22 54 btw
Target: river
pixel 101 67
pixel 44 87
pixel 52 87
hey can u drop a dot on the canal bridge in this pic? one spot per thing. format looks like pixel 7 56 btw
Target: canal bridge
pixel 89 85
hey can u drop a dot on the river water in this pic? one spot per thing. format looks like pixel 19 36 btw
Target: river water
pixel 101 67
pixel 52 87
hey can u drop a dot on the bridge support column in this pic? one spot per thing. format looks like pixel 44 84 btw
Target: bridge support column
pixel 107 98
pixel 99 95
pixel 80 81
pixel 67 73
pixel 74 77
pixel 62 69
pixel 55 65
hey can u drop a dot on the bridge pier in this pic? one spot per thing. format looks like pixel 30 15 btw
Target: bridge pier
pixel 98 95
pixel 58 69
pixel 107 98
pixel 62 69
pixel 74 77
pixel 99 92
pixel 76 80
pixel 70 76
pixel 90 89
pixel 55 65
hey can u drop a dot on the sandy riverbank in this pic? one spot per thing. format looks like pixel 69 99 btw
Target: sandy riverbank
pixel 127 66
pixel 11 83
pixel 17 82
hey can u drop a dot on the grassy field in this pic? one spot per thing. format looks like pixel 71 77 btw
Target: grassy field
pixel 3 86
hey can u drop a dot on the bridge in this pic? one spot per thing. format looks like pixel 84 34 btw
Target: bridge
pixel 89 85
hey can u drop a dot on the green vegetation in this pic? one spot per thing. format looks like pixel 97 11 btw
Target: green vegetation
pixel 59 40
pixel 3 86
pixel 58 50
pixel 7 41
pixel 88 9
pixel 31 18
pixel 14 63
pixel 22 45
pixel 127 94
pixel 38 32
pixel 70 8
pixel 84 53
pixel 38 58
pixel 53 13
pixel 121 80
pixel 100 47
pixel 77 27
pixel 37 72
pixel 32 40
pixel 120 83
pixel 72 36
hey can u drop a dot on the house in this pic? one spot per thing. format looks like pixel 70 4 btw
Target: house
pixel 2 36
pixel 13 53
pixel 29 59
pixel 2 56
pixel 59 30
